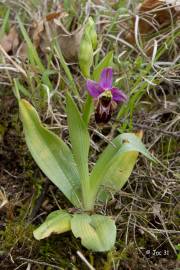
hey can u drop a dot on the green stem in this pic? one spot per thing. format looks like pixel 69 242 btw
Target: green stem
pixel 88 108
pixel 88 199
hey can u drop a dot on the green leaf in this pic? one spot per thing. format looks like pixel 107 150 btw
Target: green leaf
pixel 105 62
pixel 117 175
pixel 80 141
pixel 97 233
pixel 19 88
pixel 57 222
pixel 121 169
pixel 119 156
pixel 50 153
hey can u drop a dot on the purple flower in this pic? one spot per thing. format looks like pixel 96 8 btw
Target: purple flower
pixel 106 96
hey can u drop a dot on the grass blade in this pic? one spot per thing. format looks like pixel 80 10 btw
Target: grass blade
pixel 66 69
pixel 32 50
pixel 5 23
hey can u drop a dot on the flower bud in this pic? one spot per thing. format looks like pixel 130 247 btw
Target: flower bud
pixel 91 30
pixel 85 55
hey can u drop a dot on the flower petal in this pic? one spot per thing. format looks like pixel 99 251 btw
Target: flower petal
pixel 94 88
pixel 106 78
pixel 118 95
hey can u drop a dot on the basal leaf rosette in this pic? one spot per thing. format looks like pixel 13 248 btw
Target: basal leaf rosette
pixel 97 233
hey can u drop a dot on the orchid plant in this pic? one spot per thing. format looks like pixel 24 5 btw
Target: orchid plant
pixel 68 168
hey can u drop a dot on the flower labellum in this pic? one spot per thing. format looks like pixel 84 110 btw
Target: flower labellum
pixel 105 95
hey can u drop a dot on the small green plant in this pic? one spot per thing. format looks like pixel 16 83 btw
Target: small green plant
pixel 68 168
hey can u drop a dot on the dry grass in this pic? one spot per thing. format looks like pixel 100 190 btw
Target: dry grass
pixel 146 209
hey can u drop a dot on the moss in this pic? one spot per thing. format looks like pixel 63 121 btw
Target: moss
pixel 17 233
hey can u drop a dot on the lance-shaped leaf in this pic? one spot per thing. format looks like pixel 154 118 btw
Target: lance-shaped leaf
pixel 50 153
pixel 80 141
pixel 117 161
pixel 122 167
pixel 57 222
pixel 117 175
pixel 97 233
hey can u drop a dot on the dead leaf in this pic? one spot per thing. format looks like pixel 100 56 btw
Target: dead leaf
pixel 44 30
pixel 149 5
pixel 56 15
pixel 154 14
pixel 38 28
pixel 52 16
pixel 69 42
pixel 22 52
pixel 10 41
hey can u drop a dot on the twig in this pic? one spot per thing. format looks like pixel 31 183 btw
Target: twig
pixel 24 263
pixel 81 256
pixel 162 231
pixel 170 133
pixel 19 69
pixel 157 212
pixel 142 126
pixel 40 263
